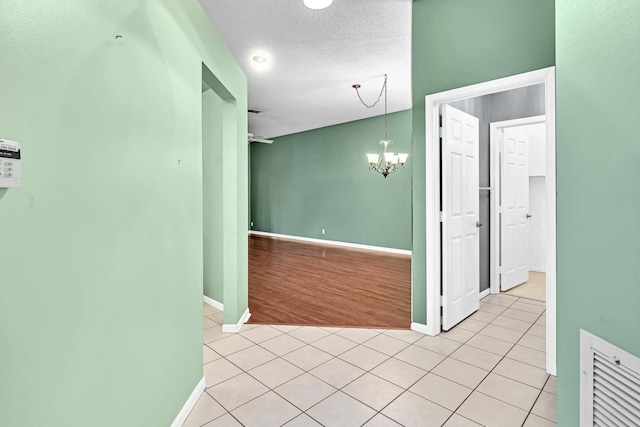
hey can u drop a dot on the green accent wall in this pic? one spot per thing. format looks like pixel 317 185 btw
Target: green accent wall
pixel 101 249
pixel 319 179
pixel 598 162
pixel 457 43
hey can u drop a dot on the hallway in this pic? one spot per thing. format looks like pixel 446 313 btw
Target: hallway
pixel 489 370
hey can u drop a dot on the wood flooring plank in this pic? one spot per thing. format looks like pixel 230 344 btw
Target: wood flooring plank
pixel 301 283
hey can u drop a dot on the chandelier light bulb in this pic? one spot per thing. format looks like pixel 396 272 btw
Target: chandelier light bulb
pixel 389 157
pixel 317 4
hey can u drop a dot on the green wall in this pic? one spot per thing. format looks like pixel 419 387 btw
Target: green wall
pixel 598 160
pixel 101 250
pixel 457 43
pixel 319 179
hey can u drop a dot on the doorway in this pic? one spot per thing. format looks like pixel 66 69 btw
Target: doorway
pixel 224 202
pixel 433 192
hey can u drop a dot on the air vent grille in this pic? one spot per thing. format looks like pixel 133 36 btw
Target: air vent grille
pixel 610 384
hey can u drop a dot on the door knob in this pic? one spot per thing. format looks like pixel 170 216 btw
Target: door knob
pixel 528 215
pixel 478 224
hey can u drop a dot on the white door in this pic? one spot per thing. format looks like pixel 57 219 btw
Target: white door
pixel 460 207
pixel 514 217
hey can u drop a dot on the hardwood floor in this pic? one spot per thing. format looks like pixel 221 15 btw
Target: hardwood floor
pixel 297 283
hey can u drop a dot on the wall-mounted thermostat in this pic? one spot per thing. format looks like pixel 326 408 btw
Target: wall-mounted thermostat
pixel 9 163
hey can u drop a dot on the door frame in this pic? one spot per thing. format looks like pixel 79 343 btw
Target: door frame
pixel 432 175
pixel 495 251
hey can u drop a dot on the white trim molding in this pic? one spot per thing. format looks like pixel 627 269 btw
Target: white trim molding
pixel 419 327
pixel 484 293
pixel 233 329
pixel 189 404
pixel 331 242
pixel 432 166
pixel 213 303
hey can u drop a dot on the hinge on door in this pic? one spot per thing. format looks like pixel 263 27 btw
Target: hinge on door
pixel 441 300
pixel 440 132
pixel 441 216
pixel 499 209
pixel 499 269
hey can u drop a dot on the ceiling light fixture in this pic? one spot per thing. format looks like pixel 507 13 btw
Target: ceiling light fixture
pixel 259 58
pixel 317 4
pixel 388 163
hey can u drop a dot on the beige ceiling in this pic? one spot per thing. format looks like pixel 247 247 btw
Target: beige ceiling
pixel 314 56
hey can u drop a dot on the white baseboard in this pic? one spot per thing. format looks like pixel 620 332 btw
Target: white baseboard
pixel 484 293
pixel 232 329
pixel 332 242
pixel 423 329
pixel 189 404
pixel 213 303
pixel 538 270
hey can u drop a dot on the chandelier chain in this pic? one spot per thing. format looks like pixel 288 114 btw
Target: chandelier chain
pixel 385 108
pixel 382 90
pixel 389 162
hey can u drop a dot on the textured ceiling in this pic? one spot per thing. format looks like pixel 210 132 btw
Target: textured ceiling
pixel 314 56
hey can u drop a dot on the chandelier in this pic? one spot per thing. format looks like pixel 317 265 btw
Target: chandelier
pixel 388 162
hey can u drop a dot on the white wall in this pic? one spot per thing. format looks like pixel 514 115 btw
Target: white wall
pixel 537 198
pixel 537 150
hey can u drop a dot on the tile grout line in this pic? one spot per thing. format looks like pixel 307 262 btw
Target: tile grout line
pixel 481 381
pixel 376 412
pixel 308 371
pixel 534 404
pixel 388 357
pixel 431 371
pixel 475 389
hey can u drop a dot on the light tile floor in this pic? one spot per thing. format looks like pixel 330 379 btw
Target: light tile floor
pixel 487 371
pixel 535 288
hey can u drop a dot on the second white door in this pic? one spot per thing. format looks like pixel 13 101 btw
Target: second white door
pixel 514 216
